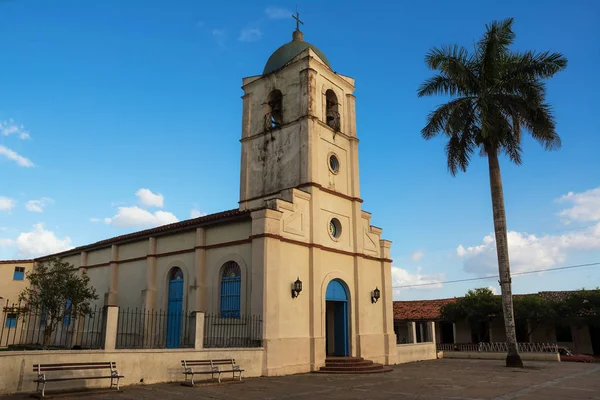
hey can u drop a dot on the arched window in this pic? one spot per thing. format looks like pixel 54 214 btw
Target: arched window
pixel 175 274
pixel 231 288
pixel 331 110
pixel 274 111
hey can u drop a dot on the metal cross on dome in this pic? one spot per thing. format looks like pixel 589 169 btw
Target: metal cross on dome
pixel 297 18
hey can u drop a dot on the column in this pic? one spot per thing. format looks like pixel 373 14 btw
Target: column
pixel 431 329
pixel 454 333
pixel 200 288
pixel 412 332
pixel 110 333
pixel 199 330
pixel 79 322
pixel 112 297
pixel 265 281
pixel 149 294
pixel 387 300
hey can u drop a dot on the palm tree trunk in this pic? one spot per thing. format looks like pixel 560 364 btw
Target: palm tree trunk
pixel 512 358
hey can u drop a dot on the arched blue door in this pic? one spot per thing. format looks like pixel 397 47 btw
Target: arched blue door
pixel 336 319
pixel 175 308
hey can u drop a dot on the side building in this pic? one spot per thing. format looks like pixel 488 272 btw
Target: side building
pixel 415 316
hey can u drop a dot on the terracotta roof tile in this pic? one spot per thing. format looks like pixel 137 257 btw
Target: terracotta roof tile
pixel 419 309
pixel 182 225
pixel 430 309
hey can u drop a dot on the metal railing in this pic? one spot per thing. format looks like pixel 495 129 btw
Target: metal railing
pixel 501 347
pixel 154 329
pixel 227 332
pixel 24 328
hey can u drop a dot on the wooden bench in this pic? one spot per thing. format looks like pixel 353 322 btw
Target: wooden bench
pixel 43 369
pixel 215 367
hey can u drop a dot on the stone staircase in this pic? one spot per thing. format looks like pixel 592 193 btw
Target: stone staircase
pixel 352 365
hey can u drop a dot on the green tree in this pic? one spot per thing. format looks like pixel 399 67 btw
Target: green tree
pixel 496 94
pixel 584 305
pixel 533 310
pixel 58 291
pixel 476 307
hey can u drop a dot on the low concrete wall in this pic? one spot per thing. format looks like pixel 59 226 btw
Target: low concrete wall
pixel 415 352
pixel 498 356
pixel 138 366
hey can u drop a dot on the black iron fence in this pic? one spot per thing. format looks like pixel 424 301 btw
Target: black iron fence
pixel 25 328
pixel 243 331
pixel 154 329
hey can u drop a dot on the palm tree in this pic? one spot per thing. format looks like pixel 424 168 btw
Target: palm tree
pixel 495 95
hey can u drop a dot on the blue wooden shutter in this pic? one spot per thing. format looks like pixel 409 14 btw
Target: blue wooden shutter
pixel 231 288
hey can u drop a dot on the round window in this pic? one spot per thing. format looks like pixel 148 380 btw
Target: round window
pixel 335 228
pixel 334 164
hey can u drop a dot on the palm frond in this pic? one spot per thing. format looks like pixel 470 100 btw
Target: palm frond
pixel 439 84
pixel 437 120
pixel 542 127
pixel 456 64
pixel 459 150
pixel 493 45
pixel 532 65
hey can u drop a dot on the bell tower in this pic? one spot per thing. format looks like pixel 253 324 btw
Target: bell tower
pixel 298 127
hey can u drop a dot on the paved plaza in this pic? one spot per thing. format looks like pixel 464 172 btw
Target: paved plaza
pixel 437 379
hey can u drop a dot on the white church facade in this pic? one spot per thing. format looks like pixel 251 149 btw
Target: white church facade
pixel 299 251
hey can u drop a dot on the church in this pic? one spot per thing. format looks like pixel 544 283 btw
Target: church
pixel 299 250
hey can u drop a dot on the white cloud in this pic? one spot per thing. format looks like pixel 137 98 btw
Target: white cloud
pixel 528 252
pixel 278 13
pixel 94 219
pixel 38 242
pixel 585 206
pixel 150 199
pixel 196 213
pixel 6 203
pixel 38 205
pixel 137 217
pixel 402 277
pixel 493 289
pixel 14 156
pixel 250 35
pixel 10 128
pixel 417 255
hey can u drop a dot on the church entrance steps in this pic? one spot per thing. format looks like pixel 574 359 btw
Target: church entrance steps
pixel 352 365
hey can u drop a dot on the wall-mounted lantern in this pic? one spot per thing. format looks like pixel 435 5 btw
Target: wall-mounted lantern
pixel 296 288
pixel 375 295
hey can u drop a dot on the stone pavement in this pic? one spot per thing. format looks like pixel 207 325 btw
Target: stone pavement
pixel 429 380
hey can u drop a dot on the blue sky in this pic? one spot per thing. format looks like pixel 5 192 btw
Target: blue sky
pixel 99 100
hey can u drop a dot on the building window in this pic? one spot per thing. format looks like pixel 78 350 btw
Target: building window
pixel 175 274
pixel 563 333
pixel 335 228
pixel 334 164
pixel 68 312
pixel 274 111
pixel 19 274
pixel 11 320
pixel 231 287
pixel 331 110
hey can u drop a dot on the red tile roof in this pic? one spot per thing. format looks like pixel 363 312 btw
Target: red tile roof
pixel 170 228
pixel 430 309
pixel 419 309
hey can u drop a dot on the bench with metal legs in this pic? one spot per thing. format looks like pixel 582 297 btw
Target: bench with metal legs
pixel 43 369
